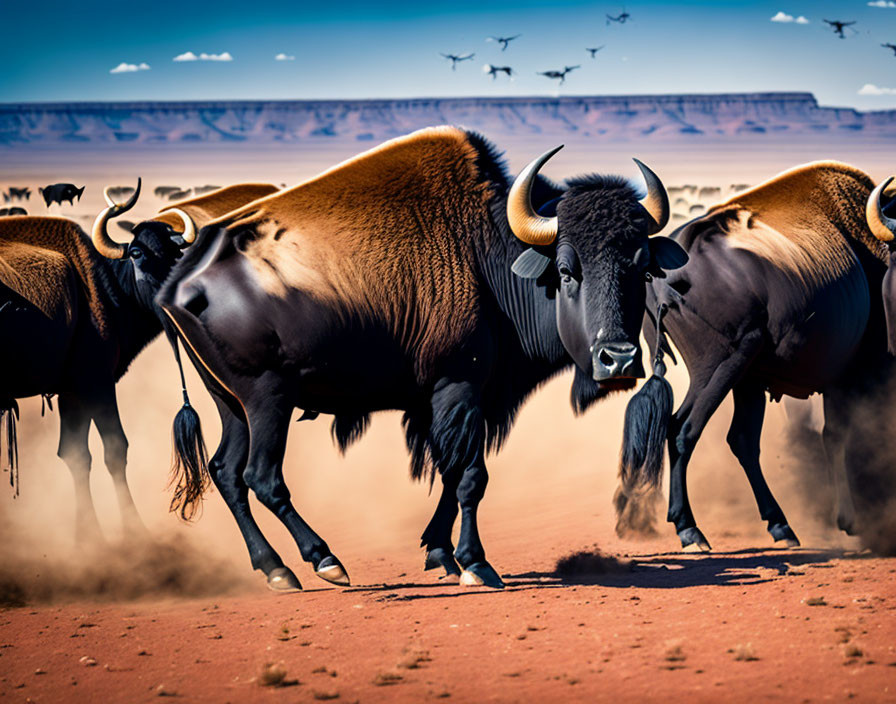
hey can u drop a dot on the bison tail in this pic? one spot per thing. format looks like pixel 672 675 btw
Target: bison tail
pixel 10 414
pixel 644 433
pixel 189 468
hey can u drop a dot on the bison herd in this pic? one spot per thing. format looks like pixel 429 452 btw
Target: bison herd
pixel 419 276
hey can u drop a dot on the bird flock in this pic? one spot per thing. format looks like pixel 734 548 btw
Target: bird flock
pixel 839 27
pixel 558 75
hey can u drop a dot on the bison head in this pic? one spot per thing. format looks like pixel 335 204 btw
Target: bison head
pixel 154 248
pixel 596 253
pixel 881 215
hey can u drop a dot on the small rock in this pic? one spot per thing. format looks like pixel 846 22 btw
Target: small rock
pixel 87 661
pixel 40 671
pixel 744 653
pixel 163 691
pixel 816 601
pixel 272 674
pixel 851 650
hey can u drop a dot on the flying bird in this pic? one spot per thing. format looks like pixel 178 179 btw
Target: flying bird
pixel 493 71
pixel 594 51
pixel 503 41
pixel 555 75
pixel 890 46
pixel 454 58
pixel 621 18
pixel 838 27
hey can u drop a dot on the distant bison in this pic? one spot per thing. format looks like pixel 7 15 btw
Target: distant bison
pixel 165 191
pixel 118 193
pixel 208 188
pixel 180 195
pixel 14 193
pixel 15 210
pixel 59 192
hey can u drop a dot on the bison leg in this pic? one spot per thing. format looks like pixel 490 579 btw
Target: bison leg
pixel 226 469
pixel 115 450
pixel 743 438
pixel 268 427
pixel 437 536
pixel 836 422
pixel 706 392
pixel 74 427
pixel 458 437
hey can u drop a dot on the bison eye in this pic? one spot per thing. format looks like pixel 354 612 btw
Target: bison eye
pixel 136 253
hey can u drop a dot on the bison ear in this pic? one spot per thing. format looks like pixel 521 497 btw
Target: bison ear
pixel 667 253
pixel 530 264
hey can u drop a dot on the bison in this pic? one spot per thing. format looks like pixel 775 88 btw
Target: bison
pixel 412 277
pixel 59 192
pixel 74 314
pixel 775 299
pixel 23 193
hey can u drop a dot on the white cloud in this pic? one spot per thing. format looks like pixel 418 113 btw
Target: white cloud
pixel 130 68
pixel 882 3
pixel 871 89
pixel 783 17
pixel 284 57
pixel 190 56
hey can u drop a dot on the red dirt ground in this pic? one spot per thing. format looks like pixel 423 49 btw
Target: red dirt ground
pixel 746 625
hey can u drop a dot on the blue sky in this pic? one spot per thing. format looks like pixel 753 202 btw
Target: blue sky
pixel 65 49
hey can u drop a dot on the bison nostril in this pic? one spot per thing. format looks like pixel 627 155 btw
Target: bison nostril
pixel 196 302
pixel 605 358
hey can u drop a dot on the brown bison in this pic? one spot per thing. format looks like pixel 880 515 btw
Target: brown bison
pixel 75 313
pixel 779 297
pixel 413 277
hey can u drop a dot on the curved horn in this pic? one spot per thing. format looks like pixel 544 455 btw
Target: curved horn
pixel 656 202
pixel 525 223
pixel 189 235
pixel 882 226
pixel 104 244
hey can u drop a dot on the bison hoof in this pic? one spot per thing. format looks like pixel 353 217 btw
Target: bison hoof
pixel 847 524
pixel 331 570
pixel 283 581
pixel 481 574
pixel 782 531
pixel 692 540
pixel 439 557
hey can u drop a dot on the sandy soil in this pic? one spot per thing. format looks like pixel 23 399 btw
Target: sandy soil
pixel 648 623
pixel 746 625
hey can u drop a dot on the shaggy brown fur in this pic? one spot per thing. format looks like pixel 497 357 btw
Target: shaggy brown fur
pixel 42 257
pixel 802 220
pixel 310 237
